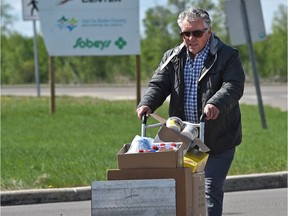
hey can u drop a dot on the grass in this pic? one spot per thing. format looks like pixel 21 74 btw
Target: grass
pixel 262 150
pixel 78 143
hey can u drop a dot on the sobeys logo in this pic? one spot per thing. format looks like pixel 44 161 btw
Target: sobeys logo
pixel 120 42
pixel 80 43
pixel 98 44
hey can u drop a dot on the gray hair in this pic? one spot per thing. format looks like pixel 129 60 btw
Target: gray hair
pixel 191 14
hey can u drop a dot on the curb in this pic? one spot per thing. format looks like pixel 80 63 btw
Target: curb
pixel 256 181
pixel 45 196
pixel 233 183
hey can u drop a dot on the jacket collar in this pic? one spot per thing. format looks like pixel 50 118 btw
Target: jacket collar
pixel 214 44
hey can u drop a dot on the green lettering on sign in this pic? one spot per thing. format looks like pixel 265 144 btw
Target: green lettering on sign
pixel 98 44
pixel 80 43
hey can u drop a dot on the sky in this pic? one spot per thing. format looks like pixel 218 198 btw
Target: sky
pixel 26 27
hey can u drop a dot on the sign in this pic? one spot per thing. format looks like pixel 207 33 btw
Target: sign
pixel 90 27
pixel 30 10
pixel 235 23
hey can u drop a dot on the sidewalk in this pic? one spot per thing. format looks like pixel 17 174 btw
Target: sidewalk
pixel 274 95
pixel 233 183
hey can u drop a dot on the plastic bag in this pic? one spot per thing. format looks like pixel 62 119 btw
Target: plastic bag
pixel 140 143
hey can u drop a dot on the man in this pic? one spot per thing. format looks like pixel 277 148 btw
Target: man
pixel 202 75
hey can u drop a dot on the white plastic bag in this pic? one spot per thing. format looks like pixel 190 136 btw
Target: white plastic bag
pixel 140 143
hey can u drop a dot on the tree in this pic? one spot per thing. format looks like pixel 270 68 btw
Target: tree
pixel 271 54
pixel 161 34
pixel 159 37
pixel 6 18
pixel 17 59
pixel 277 50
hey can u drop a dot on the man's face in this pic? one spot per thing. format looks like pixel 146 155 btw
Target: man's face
pixel 196 41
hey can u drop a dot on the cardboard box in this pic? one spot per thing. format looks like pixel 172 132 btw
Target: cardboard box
pixel 198 195
pixel 187 186
pixel 195 160
pixel 167 159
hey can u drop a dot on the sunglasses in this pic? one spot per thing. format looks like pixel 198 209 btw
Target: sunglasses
pixel 196 33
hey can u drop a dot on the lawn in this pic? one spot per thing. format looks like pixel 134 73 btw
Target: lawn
pixel 78 143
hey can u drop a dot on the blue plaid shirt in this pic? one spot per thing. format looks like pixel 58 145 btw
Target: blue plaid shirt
pixel 192 71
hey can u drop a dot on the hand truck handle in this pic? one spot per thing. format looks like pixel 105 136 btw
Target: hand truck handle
pixel 143 127
pixel 144 118
pixel 203 117
pixel 202 127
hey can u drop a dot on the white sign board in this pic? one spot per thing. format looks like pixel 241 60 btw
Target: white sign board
pixel 90 27
pixel 30 10
pixel 234 19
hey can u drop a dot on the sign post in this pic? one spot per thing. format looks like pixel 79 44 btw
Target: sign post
pixel 247 26
pixel 52 84
pixel 138 79
pixel 252 56
pixel 30 12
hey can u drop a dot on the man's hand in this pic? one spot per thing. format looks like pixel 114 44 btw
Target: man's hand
pixel 143 109
pixel 211 111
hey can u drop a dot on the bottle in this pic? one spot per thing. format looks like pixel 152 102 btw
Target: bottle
pixel 174 123
pixel 190 131
pixel 143 144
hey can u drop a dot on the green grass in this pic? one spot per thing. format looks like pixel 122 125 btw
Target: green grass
pixel 261 150
pixel 78 143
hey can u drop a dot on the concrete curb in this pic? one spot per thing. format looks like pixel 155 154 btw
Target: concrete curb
pixel 256 181
pixel 233 183
pixel 45 195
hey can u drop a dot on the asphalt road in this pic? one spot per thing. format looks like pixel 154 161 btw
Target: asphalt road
pixel 245 203
pixel 273 94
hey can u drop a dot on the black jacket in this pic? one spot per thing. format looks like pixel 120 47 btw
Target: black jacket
pixel 221 83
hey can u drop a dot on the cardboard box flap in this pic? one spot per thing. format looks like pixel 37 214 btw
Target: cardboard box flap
pixel 166 134
pixel 158 118
pixel 200 144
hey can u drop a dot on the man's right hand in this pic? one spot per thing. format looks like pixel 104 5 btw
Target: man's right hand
pixel 143 109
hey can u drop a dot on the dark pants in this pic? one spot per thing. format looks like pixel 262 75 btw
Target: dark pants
pixel 216 170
